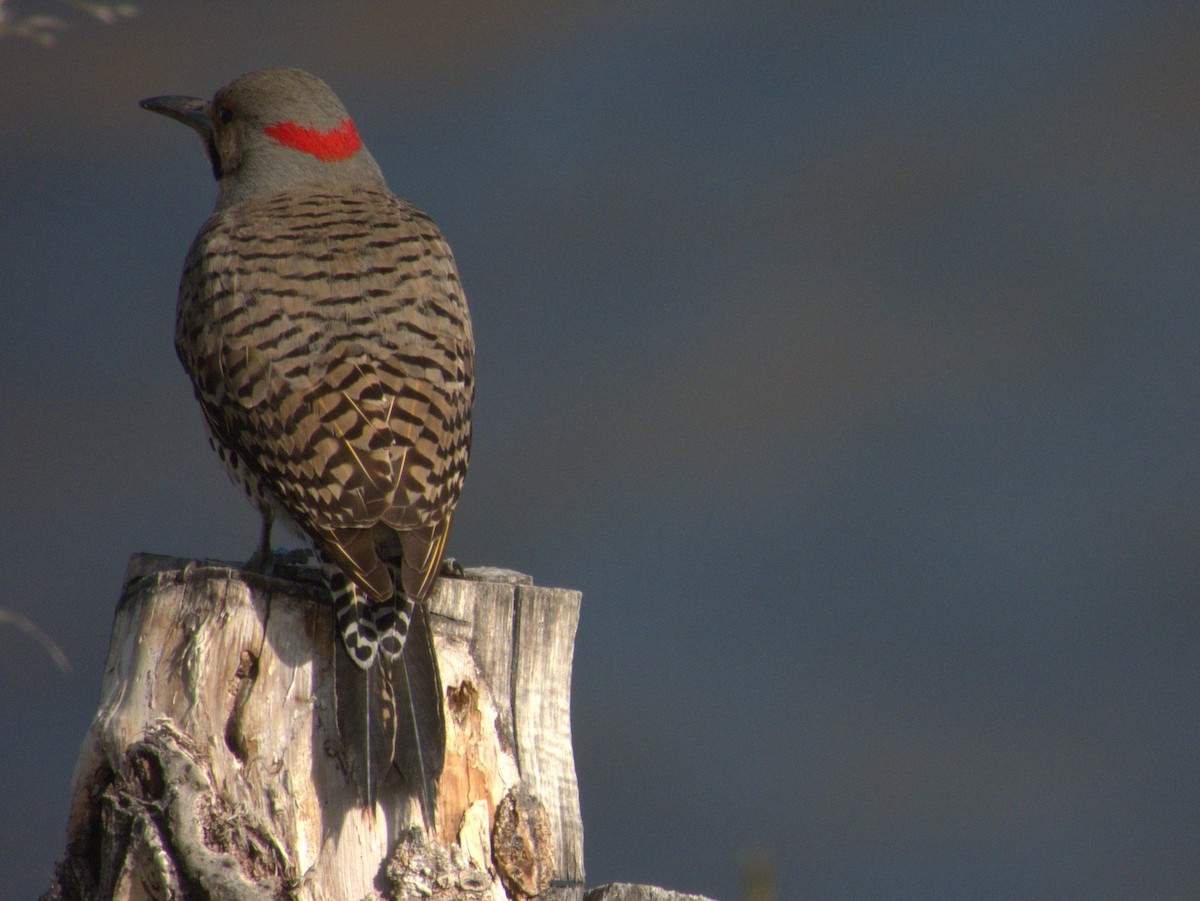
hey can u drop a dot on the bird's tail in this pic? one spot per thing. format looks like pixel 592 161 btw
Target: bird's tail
pixel 420 735
pixel 366 719
pixel 388 693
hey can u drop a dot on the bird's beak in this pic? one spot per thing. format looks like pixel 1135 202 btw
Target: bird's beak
pixel 191 111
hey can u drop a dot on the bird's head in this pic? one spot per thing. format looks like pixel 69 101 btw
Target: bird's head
pixel 271 130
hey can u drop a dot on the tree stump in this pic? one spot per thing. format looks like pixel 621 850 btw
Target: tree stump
pixel 623 891
pixel 213 768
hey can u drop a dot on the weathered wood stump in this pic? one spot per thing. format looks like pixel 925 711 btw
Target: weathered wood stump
pixel 623 891
pixel 213 768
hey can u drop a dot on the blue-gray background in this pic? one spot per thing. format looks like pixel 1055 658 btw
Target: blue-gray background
pixel 843 354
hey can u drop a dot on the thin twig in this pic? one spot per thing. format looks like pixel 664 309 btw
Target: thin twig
pixel 45 29
pixel 34 631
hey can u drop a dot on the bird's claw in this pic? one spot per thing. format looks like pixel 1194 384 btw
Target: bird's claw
pixel 261 562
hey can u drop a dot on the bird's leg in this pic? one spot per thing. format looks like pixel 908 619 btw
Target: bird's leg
pixel 263 559
pixel 452 569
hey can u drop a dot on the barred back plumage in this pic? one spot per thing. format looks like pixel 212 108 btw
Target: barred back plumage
pixel 331 349
pixel 323 325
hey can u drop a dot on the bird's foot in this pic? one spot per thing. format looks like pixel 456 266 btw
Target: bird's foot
pixel 298 556
pixel 270 562
pixel 262 562
pixel 452 569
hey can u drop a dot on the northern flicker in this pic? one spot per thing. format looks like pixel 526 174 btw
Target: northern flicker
pixel 323 325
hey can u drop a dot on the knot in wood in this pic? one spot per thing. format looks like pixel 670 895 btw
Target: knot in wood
pixel 420 870
pixel 522 847
pixel 463 701
pixel 146 771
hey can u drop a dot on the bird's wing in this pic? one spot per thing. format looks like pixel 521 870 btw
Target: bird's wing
pixel 331 351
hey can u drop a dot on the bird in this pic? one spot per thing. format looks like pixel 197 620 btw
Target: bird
pixel 326 333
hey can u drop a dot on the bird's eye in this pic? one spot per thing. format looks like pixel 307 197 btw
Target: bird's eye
pixel 224 115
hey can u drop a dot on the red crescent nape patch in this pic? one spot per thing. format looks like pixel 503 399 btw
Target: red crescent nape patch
pixel 332 146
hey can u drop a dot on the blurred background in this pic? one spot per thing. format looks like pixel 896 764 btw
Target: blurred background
pixel 844 355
